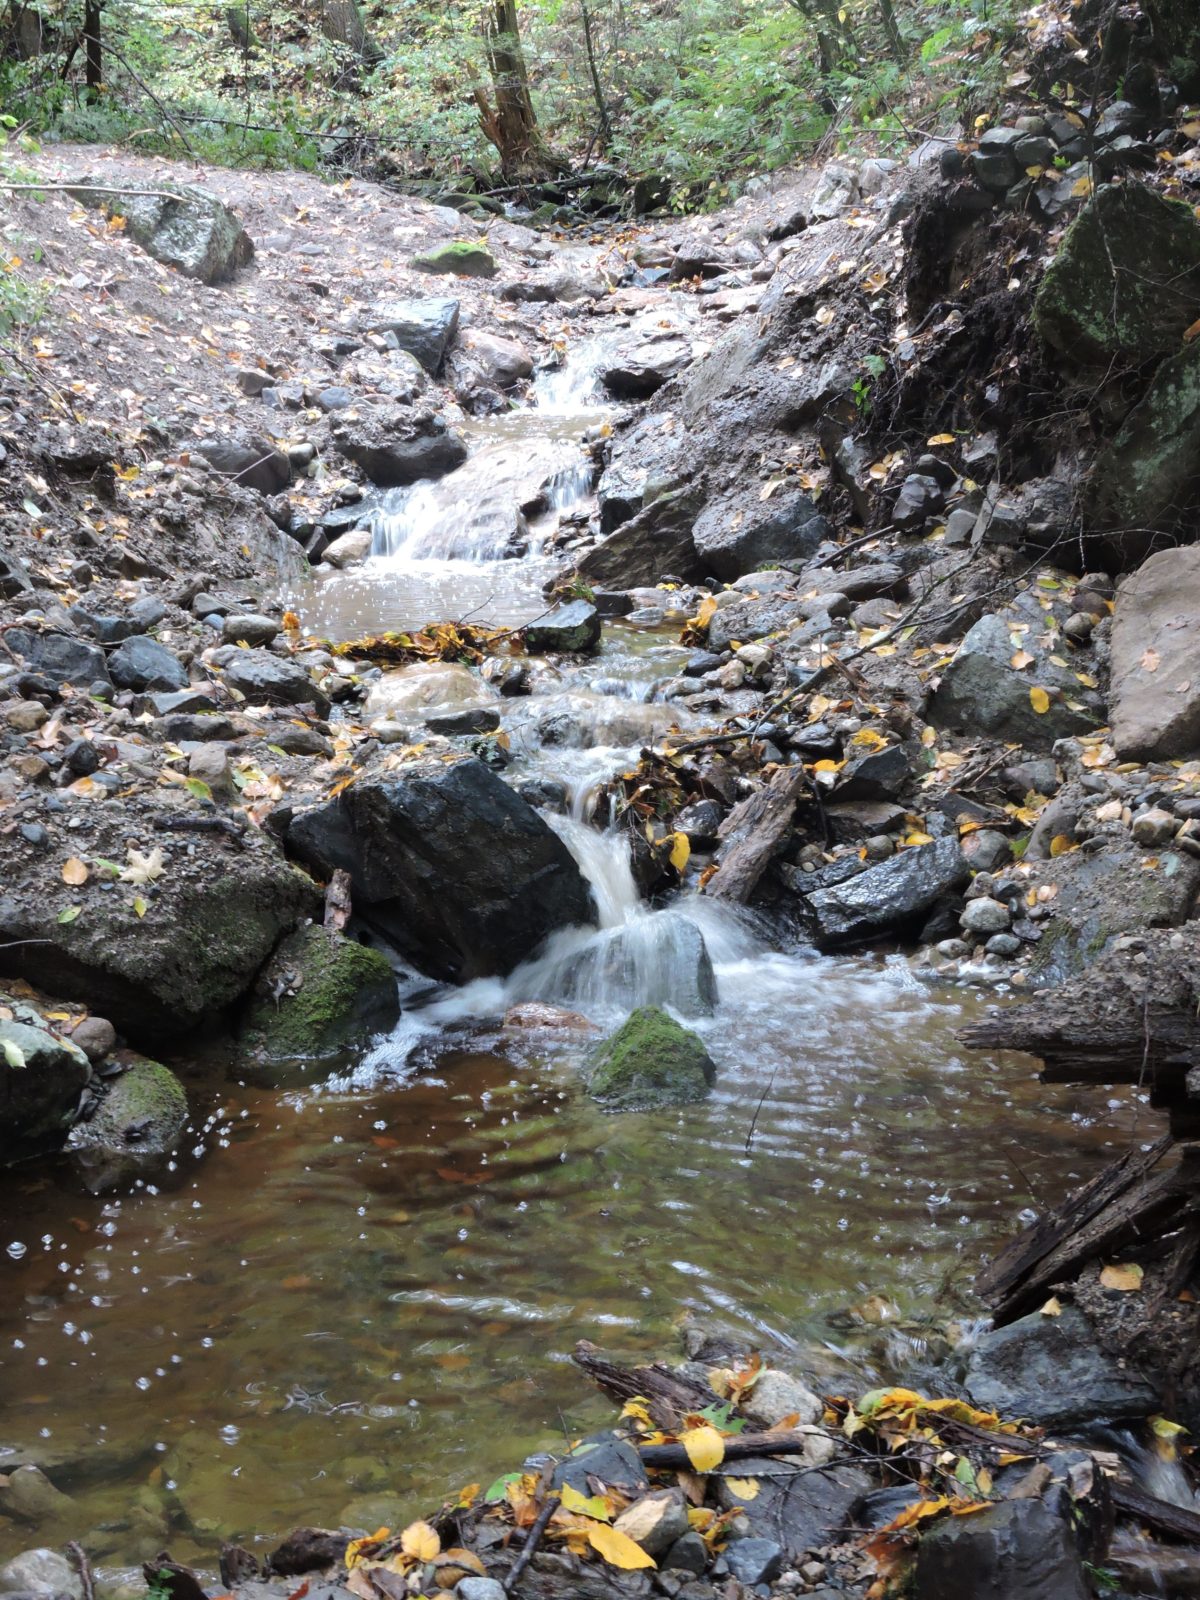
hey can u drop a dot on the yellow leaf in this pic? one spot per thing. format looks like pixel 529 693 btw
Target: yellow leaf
pixel 680 851
pixel 140 907
pixel 868 738
pixel 941 438
pixel 1039 700
pixel 1023 659
pixel 1162 1429
pixel 618 1549
pixel 917 838
pixel 705 1447
pixel 1081 187
pixel 420 1541
pixel 744 1488
pixel 1053 1307
pixel 1062 845
pixel 929 737
pixel 356 1548
pixel 1127 1279
pixel 74 872
pixel 584 1505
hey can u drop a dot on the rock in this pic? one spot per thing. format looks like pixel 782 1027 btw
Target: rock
pixel 397 447
pixel 449 863
pixel 662 960
pixel 481 1589
pixel 249 628
pixel 836 191
pixel 95 1036
pixel 573 627
pixel 464 724
pixel 26 716
pixel 251 462
pixel 189 229
pixel 981 691
pixel 350 549
pixel 1053 1373
pixel 1154 827
pixel 919 499
pixel 136 1127
pixel 210 765
pixel 425 690
pixel 1125 283
pixel 657 540
pixel 294 741
pixel 689 1554
pixel 1148 477
pixel 701 822
pixel 777 1395
pixel 424 328
pixel 878 775
pixel 141 663
pixel 319 995
pixel 1018 1550
pixel 41 1080
pixel 738 534
pixel 28 1496
pixel 650 1061
pixel 463 257
pixel 265 679
pixel 655 1522
pixel 798 1514
pixel 985 916
pixel 1154 695
pixel 886 896
pixel 503 362
pixel 640 369
pixel 611 1461
pixel 754 1560
pixel 40 1572
pixel 58 657
pixel 757 619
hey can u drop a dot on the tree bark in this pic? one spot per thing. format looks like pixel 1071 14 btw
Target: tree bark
pixel 342 21
pixel 93 49
pixel 605 130
pixel 508 119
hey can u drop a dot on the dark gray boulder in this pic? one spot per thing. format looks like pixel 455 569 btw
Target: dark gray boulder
pixel 251 462
pixel 41 1080
pixel 1018 1550
pixel 1051 1371
pixel 449 863
pixel 397 447
pixel 980 691
pixel 640 369
pixel 888 896
pixel 188 228
pixel 573 627
pixel 266 679
pixel 142 663
pixel 798 1512
pixel 745 620
pixel 424 328
pixel 58 657
pixel 736 534
pixel 658 539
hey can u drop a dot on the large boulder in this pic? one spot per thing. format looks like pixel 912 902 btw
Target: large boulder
pixel 736 534
pixel 449 863
pixel 1154 691
pixel 212 910
pixel 424 328
pixel 135 1128
pixel 658 960
pixel 886 897
pixel 1017 1550
pixel 650 1061
pixel 58 657
pixel 656 542
pixel 1125 283
pixel 187 228
pixel 396 446
pixel 41 1080
pixel 319 995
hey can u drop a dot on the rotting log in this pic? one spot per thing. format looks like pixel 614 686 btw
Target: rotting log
pixel 751 834
pixel 669 1395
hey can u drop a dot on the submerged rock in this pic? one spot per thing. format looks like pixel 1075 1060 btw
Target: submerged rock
pixel 659 960
pixel 319 994
pixel 449 863
pixel 41 1080
pixel 427 689
pixel 650 1061
pixel 136 1127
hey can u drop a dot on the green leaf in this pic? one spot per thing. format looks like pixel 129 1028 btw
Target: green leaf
pixel 69 914
pixel 198 787
pixel 721 1416
pixel 111 867
pixel 495 1491
pixel 32 508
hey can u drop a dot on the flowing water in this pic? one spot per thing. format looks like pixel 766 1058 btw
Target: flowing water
pixel 352 1299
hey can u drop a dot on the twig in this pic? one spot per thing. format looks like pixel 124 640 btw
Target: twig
pixel 90 188
pixel 758 1108
pixel 86 1581
pixel 532 1539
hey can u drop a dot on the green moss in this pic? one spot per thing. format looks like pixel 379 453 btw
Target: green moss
pixel 319 994
pixel 650 1061
pixel 462 257
pixel 147 1094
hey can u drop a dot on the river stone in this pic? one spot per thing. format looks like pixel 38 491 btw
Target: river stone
pixel 1019 1550
pixel 574 627
pixel 481 1589
pixel 141 663
pixel 319 994
pixel 982 692
pixel 423 328
pixel 250 628
pixel 754 1560
pixel 189 229
pixel 429 688
pixel 798 1513
pixel 58 657
pixel 41 1080
pixel 40 1572
pixel 395 447
pixel 657 540
pixel 776 1395
pixel 639 369
pixel 28 1496
pixel 1052 1372
pixel 1125 283
pixel 650 1061
pixel 654 1522
pixel 350 549
pixel 504 362
pixel 266 679
pixel 462 257
pixel 756 619
pixel 886 896
pixel 661 960
pixel 95 1036
pixel 449 863
pixel 1155 714
pixel 135 1128
pixel 742 533
pixel 612 1461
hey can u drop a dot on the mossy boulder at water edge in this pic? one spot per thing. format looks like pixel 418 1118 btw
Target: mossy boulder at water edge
pixel 135 1128
pixel 650 1061
pixel 42 1078
pixel 463 258
pixel 319 994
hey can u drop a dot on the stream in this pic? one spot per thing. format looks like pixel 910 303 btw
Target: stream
pixel 351 1299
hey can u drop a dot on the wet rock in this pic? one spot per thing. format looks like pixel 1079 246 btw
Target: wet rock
pixel 656 1521
pixel 657 540
pixel 741 534
pixel 777 1395
pixel 650 1061
pixel 249 628
pixel 503 362
pixel 266 679
pixel 251 462
pixel 985 916
pixel 449 863
pixel 1052 1372
pixel 574 627
pixel 661 960
pixel 754 1560
pixel 919 499
pixel 1020 1550
pixel 58 657
pixel 701 822
pixel 886 896
pixel 688 1554
pixel 319 994
pixel 95 1036
pixel 878 775
pixel 41 1080
pixel 1153 827
pixel 611 1461
pixel 40 1572
pixel 800 1513
pixel 1125 283
pixel 350 549
pixel 399 447
pixel 188 229
pixel 135 1128
pixel 424 328
pixel 28 1496
pixel 429 689
pixel 463 258
pixel 462 724
pixel 640 369
pixel 141 663
pixel 981 691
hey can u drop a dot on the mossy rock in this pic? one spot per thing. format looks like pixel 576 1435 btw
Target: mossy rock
pixel 41 1080
pixel 1125 284
pixel 650 1061
pixel 319 995
pixel 462 258
pixel 1148 477
pixel 136 1127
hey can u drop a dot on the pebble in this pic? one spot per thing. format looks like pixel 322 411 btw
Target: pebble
pixel 985 916
pixel 953 949
pixel 1003 944
pixel 480 1589
pixel 1154 827
pixel 753 1560
pixel 35 834
pixel 82 757
pixel 210 764
pixel 27 716
pixel 96 1037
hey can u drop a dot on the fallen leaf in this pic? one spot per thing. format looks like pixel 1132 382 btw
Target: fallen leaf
pixel 1023 659
pixel 420 1541
pixel 140 907
pixel 617 1548
pixel 143 868
pixel 69 914
pixel 1127 1278
pixel 1053 1307
pixel 13 1054
pixel 681 851
pixel 1062 844
pixel 356 1548
pixel 584 1505
pixel 74 872
pixel 1150 660
pixel 705 1447
pixel 744 1488
pixel 1039 700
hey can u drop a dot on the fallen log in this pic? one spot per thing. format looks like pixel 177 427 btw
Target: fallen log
pixel 737 1449
pixel 669 1395
pixel 751 834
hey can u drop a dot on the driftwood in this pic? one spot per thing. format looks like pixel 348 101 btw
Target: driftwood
pixel 736 1449
pixel 750 835
pixel 669 1396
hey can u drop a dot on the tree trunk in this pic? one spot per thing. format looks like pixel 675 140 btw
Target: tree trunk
pixel 342 21
pixel 508 119
pixel 605 129
pixel 891 27
pixel 93 49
